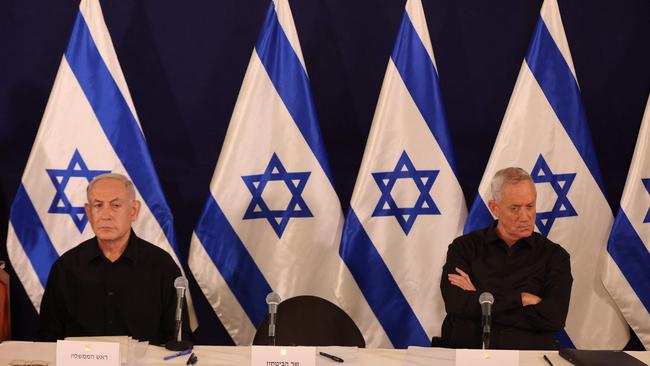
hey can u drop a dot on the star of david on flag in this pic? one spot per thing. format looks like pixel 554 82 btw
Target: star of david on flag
pixel 561 184
pixel 398 265
pixel 545 125
pixel 627 273
pixel 278 230
pixel 60 178
pixel 423 180
pixel 259 209
pixel 90 117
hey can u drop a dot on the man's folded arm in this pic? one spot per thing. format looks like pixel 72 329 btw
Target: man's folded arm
pixel 458 302
pixel 551 312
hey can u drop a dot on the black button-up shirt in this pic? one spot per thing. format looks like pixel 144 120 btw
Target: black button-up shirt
pixel 88 295
pixel 534 264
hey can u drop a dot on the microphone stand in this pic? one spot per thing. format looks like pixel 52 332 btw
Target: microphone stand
pixel 486 300
pixel 179 344
pixel 272 299
pixel 486 335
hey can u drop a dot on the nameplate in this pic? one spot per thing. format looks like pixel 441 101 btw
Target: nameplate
pixel 488 357
pixel 283 356
pixel 80 353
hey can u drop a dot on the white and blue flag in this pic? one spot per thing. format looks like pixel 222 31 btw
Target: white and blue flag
pixel 545 132
pixel 272 220
pixel 89 127
pixel 627 267
pixel 407 205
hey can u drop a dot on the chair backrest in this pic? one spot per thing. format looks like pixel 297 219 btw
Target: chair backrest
pixel 310 321
pixel 5 313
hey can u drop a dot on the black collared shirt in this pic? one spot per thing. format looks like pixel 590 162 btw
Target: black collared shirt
pixel 87 295
pixel 535 265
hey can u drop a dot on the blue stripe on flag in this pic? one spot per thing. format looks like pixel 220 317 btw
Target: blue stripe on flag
pixel 561 89
pixel 233 261
pixel 631 256
pixel 117 121
pixel 563 338
pixel 290 80
pixel 421 79
pixel 379 287
pixel 479 216
pixel 32 235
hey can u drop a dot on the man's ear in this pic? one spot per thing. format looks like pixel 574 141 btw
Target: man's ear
pixel 135 210
pixel 494 208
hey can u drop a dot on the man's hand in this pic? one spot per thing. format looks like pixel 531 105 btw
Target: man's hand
pixel 462 280
pixel 529 299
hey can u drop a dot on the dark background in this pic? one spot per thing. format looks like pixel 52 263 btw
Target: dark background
pixel 184 62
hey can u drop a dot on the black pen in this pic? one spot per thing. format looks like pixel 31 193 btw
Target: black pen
pixel 547 360
pixel 331 357
pixel 192 360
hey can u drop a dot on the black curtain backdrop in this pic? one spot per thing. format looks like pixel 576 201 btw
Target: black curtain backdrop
pixel 184 62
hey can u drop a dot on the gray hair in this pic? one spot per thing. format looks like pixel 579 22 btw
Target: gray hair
pixel 505 176
pixel 121 177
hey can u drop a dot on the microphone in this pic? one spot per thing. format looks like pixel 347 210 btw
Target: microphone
pixel 178 344
pixel 486 300
pixel 181 285
pixel 272 299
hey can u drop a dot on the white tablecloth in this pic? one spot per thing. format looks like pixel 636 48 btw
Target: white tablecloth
pixel 232 356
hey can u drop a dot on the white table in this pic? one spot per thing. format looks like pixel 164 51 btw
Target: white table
pixel 225 355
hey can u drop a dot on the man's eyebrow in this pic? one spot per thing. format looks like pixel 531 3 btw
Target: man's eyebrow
pixel 112 200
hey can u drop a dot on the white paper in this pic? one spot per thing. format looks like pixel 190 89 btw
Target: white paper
pixel 426 356
pixel 488 357
pixel 87 353
pixel 283 356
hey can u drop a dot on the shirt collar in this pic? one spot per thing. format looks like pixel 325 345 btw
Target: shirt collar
pixel 93 252
pixel 491 236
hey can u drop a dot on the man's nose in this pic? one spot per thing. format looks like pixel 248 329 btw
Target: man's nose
pixel 105 214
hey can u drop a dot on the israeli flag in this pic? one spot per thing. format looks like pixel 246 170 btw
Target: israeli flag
pixel 407 205
pixel 627 267
pixel 89 127
pixel 545 132
pixel 272 220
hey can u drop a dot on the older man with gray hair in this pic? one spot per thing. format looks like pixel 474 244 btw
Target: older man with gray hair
pixel 529 275
pixel 114 283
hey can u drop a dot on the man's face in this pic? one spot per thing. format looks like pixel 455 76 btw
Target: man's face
pixel 110 210
pixel 515 211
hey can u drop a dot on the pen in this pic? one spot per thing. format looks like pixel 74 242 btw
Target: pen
pixel 192 360
pixel 547 360
pixel 331 357
pixel 178 354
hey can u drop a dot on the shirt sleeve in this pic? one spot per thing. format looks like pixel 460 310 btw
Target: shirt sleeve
pixel 550 313
pixel 458 302
pixel 51 319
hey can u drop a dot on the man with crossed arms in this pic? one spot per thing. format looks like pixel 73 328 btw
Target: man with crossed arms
pixel 529 275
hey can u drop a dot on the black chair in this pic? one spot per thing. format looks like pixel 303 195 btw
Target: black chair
pixel 310 321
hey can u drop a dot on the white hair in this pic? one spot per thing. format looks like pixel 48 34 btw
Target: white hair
pixel 505 176
pixel 121 177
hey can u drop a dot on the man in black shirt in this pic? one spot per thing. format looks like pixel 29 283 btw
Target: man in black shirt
pixel 114 283
pixel 529 276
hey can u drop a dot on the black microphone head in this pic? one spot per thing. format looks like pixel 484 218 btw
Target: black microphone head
pixel 486 298
pixel 180 283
